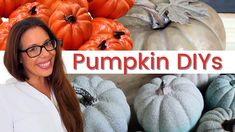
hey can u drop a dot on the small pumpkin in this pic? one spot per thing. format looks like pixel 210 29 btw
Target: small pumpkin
pixel 103 105
pixel 151 30
pixel 58 3
pixel 34 9
pixel 5 28
pixel 217 120
pixel 72 24
pixel 221 92
pixel 202 81
pixel 168 104
pixel 4 31
pixel 108 34
pixel 54 3
pixel 8 6
pixel 109 8
pixel 22 2
pixel 48 3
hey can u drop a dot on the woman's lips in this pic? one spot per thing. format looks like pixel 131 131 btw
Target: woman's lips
pixel 45 65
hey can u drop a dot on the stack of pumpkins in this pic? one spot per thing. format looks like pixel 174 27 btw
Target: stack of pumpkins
pixel 165 104
pixel 91 25
pixel 220 101
pixel 80 24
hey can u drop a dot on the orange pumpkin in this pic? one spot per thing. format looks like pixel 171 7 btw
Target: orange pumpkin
pixel 48 3
pixel 34 9
pixel 72 24
pixel 53 3
pixel 22 2
pixel 8 6
pixel 58 3
pixel 108 34
pixel 106 42
pixel 5 28
pixel 109 8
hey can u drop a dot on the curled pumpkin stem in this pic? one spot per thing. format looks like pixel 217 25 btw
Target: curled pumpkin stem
pixel 33 11
pixel 232 83
pixel 118 35
pixel 70 18
pixel 87 99
pixel 163 89
pixel 158 21
pixel 229 125
pixel 102 45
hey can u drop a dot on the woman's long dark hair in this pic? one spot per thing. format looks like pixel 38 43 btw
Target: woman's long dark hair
pixel 64 93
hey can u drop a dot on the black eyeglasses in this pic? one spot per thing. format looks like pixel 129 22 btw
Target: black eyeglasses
pixel 36 50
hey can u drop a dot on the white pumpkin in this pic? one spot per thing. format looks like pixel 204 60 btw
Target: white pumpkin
pixel 103 105
pixel 168 104
pixel 217 120
pixel 221 92
pixel 201 33
pixel 202 81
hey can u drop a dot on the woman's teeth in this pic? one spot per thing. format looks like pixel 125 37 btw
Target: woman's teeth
pixel 44 65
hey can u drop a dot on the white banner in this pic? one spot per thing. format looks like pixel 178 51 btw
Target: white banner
pixel 143 62
pixel 148 62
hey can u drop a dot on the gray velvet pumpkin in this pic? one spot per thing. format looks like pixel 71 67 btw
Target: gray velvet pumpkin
pixel 194 33
pixel 202 81
pixel 104 106
pixel 218 120
pixel 221 92
pixel 168 104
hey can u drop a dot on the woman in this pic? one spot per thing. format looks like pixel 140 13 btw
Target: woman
pixel 40 98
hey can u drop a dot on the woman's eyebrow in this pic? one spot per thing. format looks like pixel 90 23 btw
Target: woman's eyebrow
pixel 33 44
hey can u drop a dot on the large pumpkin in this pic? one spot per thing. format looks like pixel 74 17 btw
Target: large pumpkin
pixel 72 24
pixel 221 92
pixel 8 6
pixel 217 120
pixel 168 104
pixel 104 106
pixel 109 8
pixel 200 33
pixel 108 34
pixel 34 9
pixel 202 81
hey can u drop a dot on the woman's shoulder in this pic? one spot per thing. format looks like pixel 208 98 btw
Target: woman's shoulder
pixel 8 85
pixel 8 91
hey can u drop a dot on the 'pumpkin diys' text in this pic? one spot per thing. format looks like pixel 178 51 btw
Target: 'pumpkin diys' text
pixel 150 61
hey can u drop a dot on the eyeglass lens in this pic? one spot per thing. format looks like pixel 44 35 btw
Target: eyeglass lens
pixel 36 50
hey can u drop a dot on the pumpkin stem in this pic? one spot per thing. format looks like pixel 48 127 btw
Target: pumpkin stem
pixel 158 22
pixel 163 89
pixel 229 125
pixel 33 11
pixel 102 45
pixel 87 99
pixel 117 34
pixel 232 82
pixel 70 18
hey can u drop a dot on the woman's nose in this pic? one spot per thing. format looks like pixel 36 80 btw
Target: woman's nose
pixel 44 52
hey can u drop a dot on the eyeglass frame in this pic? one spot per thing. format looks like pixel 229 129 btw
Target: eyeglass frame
pixel 42 46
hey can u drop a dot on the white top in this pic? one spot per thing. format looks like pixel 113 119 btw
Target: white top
pixel 25 109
